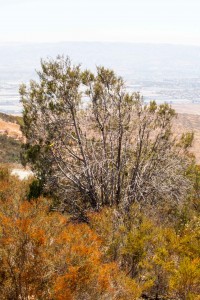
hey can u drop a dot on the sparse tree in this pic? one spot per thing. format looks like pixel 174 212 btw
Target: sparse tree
pixel 93 144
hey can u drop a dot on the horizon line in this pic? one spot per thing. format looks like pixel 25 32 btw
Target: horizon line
pixel 100 42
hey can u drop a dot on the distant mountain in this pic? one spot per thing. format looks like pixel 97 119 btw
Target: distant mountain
pixel 133 61
pixel 161 71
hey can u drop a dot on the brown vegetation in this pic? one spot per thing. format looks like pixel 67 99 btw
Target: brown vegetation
pixel 152 254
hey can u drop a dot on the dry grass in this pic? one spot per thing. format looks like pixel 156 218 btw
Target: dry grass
pixel 189 123
pixel 10 129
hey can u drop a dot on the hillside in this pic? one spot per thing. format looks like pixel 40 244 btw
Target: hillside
pixel 10 139
pixel 11 118
pixel 11 136
pixel 191 123
pixel 9 150
pixel 9 128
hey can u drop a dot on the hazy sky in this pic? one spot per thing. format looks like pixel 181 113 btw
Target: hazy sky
pixel 168 21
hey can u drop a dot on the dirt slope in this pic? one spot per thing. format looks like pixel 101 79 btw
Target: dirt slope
pixel 10 129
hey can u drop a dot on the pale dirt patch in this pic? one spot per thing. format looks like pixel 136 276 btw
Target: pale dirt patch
pixel 187 108
pixel 22 174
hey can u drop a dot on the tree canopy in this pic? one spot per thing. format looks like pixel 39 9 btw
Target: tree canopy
pixel 93 144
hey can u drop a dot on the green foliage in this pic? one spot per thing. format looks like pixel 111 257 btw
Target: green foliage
pixel 35 189
pixel 193 173
pixel 111 149
pixel 9 150
pixel 187 139
pixel 185 281
pixel 4 173
pixel 13 119
pixel 164 261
